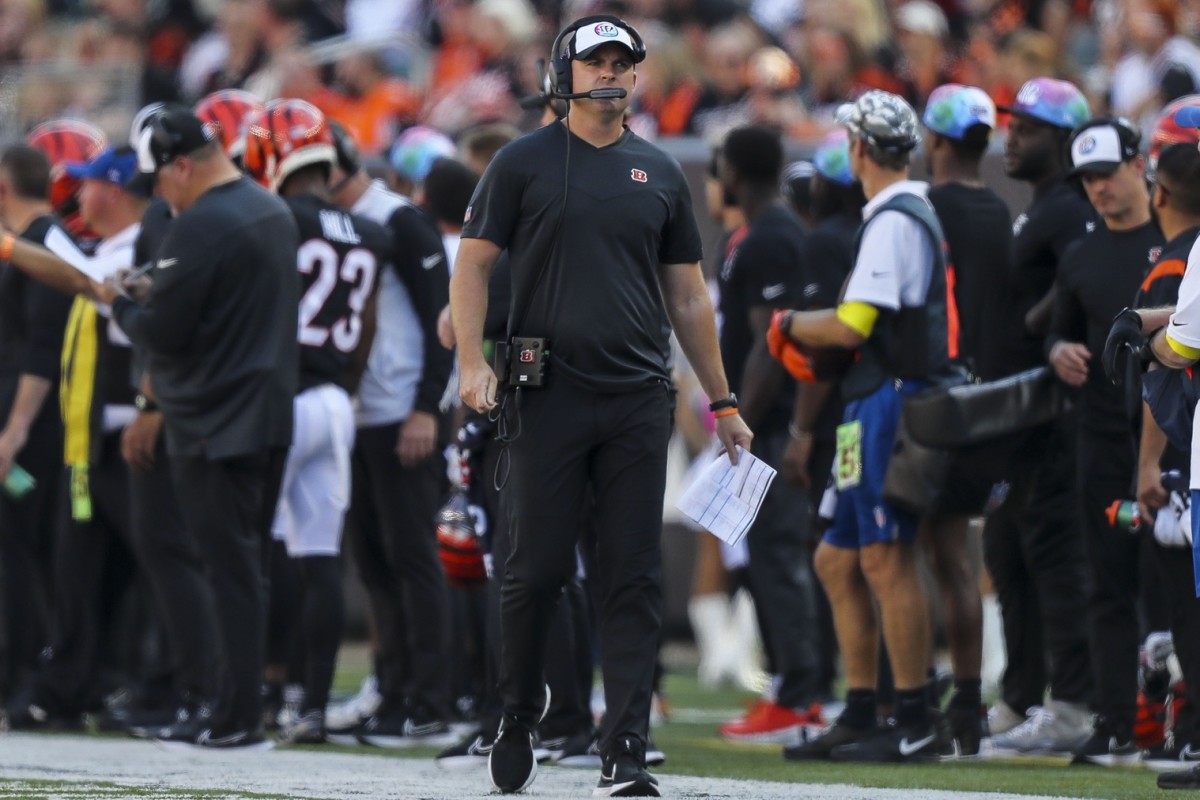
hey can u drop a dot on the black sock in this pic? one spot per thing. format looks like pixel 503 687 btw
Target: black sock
pixel 968 693
pixel 860 708
pixel 912 706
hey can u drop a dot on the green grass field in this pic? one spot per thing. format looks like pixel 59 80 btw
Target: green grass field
pixel 696 749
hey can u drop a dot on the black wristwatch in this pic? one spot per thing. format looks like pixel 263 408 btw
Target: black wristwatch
pixel 728 402
pixel 144 403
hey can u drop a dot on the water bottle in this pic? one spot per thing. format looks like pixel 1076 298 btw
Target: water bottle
pixel 1125 515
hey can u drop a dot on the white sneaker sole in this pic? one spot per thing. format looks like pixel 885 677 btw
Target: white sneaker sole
pixel 405 742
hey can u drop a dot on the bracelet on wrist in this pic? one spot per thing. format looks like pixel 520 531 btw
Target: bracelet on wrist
pixel 796 433
pixel 144 403
pixel 7 243
pixel 785 323
pixel 725 412
pixel 727 402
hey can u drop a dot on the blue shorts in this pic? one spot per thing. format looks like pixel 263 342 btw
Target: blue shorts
pixel 862 517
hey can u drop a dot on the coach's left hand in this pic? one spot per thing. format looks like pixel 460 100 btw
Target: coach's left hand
pixel 732 431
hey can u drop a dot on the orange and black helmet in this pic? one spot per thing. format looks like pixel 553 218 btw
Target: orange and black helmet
pixel 228 111
pixel 65 141
pixel 1167 132
pixel 287 135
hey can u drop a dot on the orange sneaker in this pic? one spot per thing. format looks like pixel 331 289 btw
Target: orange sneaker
pixel 770 723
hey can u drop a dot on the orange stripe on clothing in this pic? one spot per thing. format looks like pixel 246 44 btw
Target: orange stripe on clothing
pixel 1164 269
pixel 951 314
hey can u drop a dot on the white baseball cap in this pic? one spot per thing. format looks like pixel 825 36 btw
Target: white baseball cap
pixel 593 35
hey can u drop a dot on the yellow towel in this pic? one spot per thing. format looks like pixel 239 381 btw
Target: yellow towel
pixel 77 386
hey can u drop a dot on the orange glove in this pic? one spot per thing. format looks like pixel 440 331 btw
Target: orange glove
pixel 776 338
pixel 798 365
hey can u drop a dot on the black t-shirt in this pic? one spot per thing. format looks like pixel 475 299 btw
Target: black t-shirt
pixel 764 269
pixel 1055 219
pixel 626 212
pixel 1161 288
pixel 1098 276
pixel 339 260
pixel 156 220
pixel 978 229
pixel 33 318
pixel 220 323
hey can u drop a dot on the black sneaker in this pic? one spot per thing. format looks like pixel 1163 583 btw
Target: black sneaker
pixel 472 751
pixel 894 744
pixel 190 719
pixel 582 750
pixel 1184 779
pixel 624 774
pixel 245 739
pixel 405 729
pixel 306 728
pixel 1170 756
pixel 965 730
pixel 819 748
pixel 511 764
pixel 1108 749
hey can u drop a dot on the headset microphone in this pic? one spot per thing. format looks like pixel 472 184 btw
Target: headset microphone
pixel 594 94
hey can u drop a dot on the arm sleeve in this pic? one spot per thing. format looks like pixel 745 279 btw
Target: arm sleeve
pixel 891 257
pixel 681 237
pixel 496 203
pixel 46 310
pixel 1069 320
pixel 168 320
pixel 1184 327
pixel 420 262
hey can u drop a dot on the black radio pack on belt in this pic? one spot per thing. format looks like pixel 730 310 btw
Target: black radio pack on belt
pixel 521 362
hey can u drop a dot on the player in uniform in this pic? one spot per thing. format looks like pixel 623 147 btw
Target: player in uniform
pixel 290 148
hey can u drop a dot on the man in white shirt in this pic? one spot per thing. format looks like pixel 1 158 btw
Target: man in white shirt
pixel 894 311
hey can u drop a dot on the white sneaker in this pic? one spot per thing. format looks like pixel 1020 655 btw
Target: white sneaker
pixel 1002 718
pixel 352 711
pixel 1056 728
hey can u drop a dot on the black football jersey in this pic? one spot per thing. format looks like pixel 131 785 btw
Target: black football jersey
pixel 339 260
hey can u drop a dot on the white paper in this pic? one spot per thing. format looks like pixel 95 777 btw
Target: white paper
pixel 97 268
pixel 724 499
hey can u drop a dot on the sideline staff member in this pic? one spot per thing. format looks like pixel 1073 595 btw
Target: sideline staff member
pixel 597 222
pixel 219 325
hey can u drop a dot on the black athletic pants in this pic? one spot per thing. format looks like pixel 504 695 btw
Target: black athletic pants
pixel 224 503
pixel 1106 474
pixel 569 663
pixel 27 541
pixel 1034 551
pixel 616 444
pixel 781 582
pixel 85 552
pixel 392 535
pixel 170 556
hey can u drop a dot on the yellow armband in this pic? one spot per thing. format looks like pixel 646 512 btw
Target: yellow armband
pixel 1190 353
pixel 859 316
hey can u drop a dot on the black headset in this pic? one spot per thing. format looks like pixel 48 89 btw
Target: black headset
pixel 559 74
pixel 344 147
pixel 1129 137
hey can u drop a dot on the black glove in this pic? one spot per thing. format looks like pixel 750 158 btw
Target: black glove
pixel 1125 335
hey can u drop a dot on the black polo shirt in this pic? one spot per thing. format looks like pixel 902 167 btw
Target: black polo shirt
pixel 627 210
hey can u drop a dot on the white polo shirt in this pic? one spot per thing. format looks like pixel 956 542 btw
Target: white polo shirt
pixel 1184 328
pixel 895 257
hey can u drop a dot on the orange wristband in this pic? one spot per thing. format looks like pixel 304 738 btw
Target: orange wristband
pixel 725 412
pixel 7 243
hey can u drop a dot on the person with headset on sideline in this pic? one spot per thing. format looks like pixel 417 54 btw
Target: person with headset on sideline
pixel 605 254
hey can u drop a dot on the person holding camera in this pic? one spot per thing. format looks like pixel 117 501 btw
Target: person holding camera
pixel 605 254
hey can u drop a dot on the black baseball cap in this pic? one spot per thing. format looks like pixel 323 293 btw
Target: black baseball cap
pixel 172 134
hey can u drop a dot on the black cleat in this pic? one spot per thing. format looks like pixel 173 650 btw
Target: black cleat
pixel 836 735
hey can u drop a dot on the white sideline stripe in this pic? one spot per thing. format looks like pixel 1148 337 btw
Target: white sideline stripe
pixel 84 761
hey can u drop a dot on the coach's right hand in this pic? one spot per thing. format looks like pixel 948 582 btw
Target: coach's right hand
pixel 140 439
pixel 477 385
